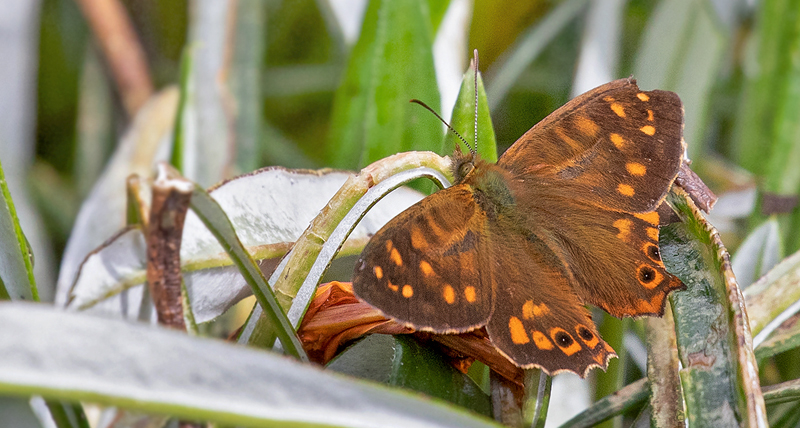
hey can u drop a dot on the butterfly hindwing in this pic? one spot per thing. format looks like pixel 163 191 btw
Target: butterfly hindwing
pixel 424 267
pixel 636 283
pixel 615 146
pixel 613 258
pixel 541 322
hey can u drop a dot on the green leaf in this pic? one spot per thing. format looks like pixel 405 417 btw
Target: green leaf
pixel 666 395
pixel 93 142
pixel 758 253
pixel 782 339
pixel 209 211
pixel 68 415
pixel 16 260
pixel 391 63
pixel 187 97
pixel 774 294
pixel 768 133
pixel 267 215
pixel 719 377
pixel 103 212
pixel 766 88
pixel 537 401
pixel 607 383
pixel 77 357
pixel 783 392
pixel 401 361
pixel 245 82
pixel 464 120
pixel 437 8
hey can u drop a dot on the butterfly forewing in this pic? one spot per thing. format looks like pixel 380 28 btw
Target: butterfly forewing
pixel 425 267
pixel 591 177
pixel 615 146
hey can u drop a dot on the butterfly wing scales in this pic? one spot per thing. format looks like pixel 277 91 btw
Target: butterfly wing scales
pixel 615 146
pixel 613 258
pixel 541 321
pixel 426 259
pixel 592 177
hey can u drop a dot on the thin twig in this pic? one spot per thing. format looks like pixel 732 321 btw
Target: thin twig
pixel 164 232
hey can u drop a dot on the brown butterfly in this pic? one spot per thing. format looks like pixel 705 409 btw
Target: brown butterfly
pixel 569 215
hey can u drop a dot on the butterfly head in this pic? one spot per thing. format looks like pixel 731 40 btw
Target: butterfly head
pixel 463 164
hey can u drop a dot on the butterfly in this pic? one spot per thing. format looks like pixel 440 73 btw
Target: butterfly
pixel 568 216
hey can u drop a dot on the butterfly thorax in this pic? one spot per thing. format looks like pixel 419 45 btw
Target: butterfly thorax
pixel 488 182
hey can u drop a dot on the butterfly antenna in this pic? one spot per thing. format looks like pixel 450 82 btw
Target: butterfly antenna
pixel 475 131
pixel 416 101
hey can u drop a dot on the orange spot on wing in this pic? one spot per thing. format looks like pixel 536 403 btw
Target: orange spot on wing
pixel 418 240
pixel 650 117
pixel 571 349
pixel 645 307
pixel 648 129
pixel 652 217
pixel 652 233
pixel 540 309
pixel 625 190
pixel 449 294
pixel 517 330
pixel 378 272
pixel 393 287
pixel 541 341
pixel 470 294
pixel 624 227
pixel 657 302
pixel 394 255
pixel 586 126
pixel 618 141
pixel 426 268
pixel 531 310
pixel 567 139
pixel 642 96
pixel 618 109
pixel 408 291
pixel 636 169
pixel 389 246
pixel 527 310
